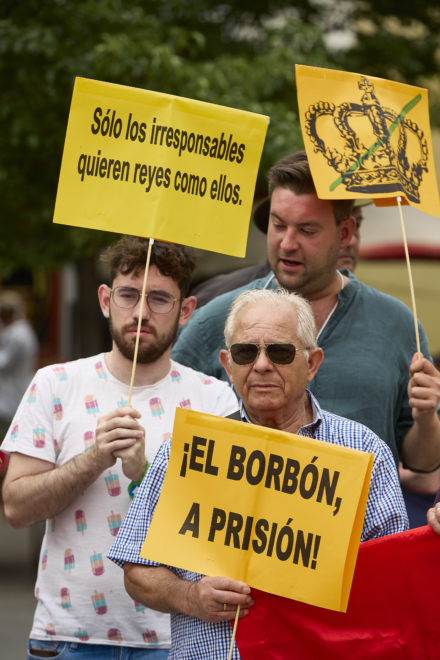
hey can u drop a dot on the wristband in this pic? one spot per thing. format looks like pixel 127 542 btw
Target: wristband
pixel 134 485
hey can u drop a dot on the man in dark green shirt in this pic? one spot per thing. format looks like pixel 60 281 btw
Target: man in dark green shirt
pixel 370 373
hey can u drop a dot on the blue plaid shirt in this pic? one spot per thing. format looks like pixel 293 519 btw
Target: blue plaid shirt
pixel 193 639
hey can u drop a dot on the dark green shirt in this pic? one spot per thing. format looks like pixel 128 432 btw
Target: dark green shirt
pixel 368 345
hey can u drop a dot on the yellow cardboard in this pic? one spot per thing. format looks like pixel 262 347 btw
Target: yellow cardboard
pixel 168 189
pixel 366 137
pixel 325 533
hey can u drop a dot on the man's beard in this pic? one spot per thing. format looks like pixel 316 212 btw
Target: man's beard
pixel 147 354
pixel 314 278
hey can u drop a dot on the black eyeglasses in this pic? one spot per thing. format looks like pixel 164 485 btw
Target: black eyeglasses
pixel 128 297
pixel 277 353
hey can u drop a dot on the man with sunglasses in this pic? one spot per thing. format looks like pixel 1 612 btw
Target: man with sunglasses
pixel 371 373
pixel 79 452
pixel 271 357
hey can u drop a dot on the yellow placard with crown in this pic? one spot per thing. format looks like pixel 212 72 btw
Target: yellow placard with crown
pixel 156 165
pixel 367 137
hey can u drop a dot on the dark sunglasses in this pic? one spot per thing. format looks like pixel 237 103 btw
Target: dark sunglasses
pixel 277 353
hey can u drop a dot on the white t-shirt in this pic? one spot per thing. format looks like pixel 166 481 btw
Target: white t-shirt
pixel 81 593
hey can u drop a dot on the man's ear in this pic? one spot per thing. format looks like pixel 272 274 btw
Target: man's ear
pixel 347 229
pixel 224 361
pixel 316 356
pixel 186 310
pixel 104 299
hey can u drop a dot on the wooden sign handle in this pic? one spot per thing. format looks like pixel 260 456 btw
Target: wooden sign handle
pixel 233 633
pixel 141 309
pixel 411 285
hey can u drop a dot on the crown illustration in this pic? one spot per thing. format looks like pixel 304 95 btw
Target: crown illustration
pixel 384 170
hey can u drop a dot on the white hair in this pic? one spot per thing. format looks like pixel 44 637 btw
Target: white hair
pixel 306 327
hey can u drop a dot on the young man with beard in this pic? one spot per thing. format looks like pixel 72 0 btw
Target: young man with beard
pixel 78 452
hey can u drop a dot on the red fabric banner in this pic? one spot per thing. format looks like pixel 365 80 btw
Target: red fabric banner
pixel 392 611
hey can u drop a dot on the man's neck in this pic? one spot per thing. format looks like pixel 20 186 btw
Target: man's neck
pixel 290 420
pixel 323 302
pixel 145 374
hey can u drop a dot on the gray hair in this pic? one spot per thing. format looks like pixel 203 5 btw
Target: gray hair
pixel 306 328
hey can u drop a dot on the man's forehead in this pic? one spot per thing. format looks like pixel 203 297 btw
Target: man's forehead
pixel 155 280
pixel 263 317
pixel 306 206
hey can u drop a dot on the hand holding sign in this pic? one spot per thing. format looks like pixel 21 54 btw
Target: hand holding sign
pixel 118 434
pixel 216 599
pixel 423 389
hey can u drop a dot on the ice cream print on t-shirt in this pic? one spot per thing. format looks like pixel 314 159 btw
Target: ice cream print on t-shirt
pixel 97 564
pixel 114 635
pixel 65 599
pixel 114 523
pixel 39 437
pixel 175 376
pixel 60 372
pixel 57 408
pixel 80 520
pixel 139 607
pixel 150 637
pixel 100 371
pixel 82 635
pixel 32 397
pixel 91 405
pixel 99 603
pixel 69 560
pixel 89 440
pixel 156 407
pixel 57 449
pixel 113 484
pixel 14 432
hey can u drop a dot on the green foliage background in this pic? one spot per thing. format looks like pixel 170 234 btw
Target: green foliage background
pixel 240 53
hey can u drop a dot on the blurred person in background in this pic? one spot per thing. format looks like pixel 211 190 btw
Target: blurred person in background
pixel 349 256
pixel 18 355
pixel 419 491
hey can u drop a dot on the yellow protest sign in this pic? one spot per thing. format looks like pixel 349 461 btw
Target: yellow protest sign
pixel 367 137
pixel 154 165
pixel 282 512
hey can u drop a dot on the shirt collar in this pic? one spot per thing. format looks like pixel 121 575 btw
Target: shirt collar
pixel 308 428
pixel 349 290
pixel 345 298
pixel 270 281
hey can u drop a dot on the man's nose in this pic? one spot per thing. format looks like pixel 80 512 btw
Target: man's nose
pixel 262 363
pixel 146 311
pixel 290 240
